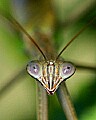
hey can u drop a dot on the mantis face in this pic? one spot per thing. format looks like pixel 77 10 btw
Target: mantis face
pixel 50 73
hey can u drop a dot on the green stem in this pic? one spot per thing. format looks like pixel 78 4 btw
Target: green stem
pixel 86 67
pixel 13 81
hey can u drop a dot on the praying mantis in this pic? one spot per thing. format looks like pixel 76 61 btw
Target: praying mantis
pixel 40 35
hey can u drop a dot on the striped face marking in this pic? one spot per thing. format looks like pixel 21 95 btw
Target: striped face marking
pixel 50 73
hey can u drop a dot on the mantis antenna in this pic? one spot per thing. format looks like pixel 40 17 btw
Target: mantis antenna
pixel 14 22
pixel 75 37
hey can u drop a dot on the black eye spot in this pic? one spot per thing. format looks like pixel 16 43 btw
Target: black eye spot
pixel 68 67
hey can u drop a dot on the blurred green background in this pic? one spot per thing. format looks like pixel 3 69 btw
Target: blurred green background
pixel 19 103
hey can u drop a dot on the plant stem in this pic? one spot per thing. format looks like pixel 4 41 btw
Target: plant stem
pixel 85 67
pixel 13 81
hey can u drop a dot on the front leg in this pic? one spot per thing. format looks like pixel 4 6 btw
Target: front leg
pixel 42 103
pixel 66 103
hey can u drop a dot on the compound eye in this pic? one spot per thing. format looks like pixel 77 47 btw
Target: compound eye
pixel 67 70
pixel 33 68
